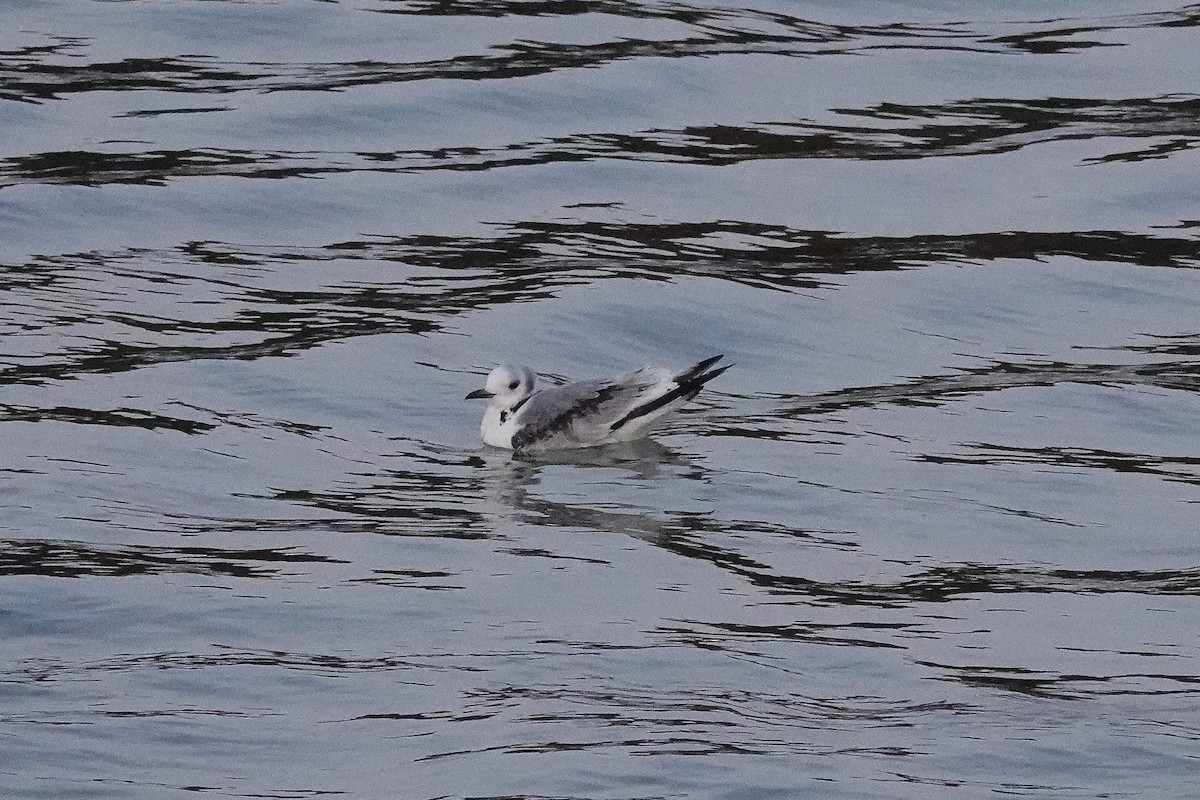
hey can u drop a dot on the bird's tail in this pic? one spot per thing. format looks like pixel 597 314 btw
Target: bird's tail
pixel 697 376
pixel 687 385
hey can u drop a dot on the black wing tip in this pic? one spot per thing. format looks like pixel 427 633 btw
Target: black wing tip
pixel 700 380
pixel 689 375
pixel 700 374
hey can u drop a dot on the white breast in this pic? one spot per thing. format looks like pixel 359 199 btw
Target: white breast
pixel 495 432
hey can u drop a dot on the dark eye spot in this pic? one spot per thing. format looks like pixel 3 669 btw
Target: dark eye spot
pixel 514 385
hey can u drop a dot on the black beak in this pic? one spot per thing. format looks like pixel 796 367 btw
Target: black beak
pixel 479 394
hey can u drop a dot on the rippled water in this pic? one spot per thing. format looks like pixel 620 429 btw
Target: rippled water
pixel 934 535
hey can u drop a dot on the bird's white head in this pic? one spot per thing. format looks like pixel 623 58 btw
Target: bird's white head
pixel 506 386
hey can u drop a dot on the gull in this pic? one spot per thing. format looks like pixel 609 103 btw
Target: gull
pixel 595 412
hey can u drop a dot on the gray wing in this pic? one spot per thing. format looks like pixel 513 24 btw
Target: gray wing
pixel 580 412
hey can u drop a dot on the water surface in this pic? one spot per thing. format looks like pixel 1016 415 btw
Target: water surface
pixel 934 535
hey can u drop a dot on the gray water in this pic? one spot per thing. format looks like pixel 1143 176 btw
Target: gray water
pixel 934 536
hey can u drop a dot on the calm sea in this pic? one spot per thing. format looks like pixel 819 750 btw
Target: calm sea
pixel 936 534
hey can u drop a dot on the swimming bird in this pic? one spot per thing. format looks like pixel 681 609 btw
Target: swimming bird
pixel 519 416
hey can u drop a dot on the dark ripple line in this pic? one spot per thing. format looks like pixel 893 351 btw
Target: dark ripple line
pixel 1182 375
pixel 1182 469
pixel 945 583
pixel 732 704
pixel 63 559
pixel 534 255
pixel 996 125
pixel 395 506
pixel 119 417
pixel 120 357
pixel 27 76
pixel 938 390
pixel 528 261
pixel 1186 16
pixel 55 669
pixel 1168 345
pixel 696 719
pixel 1066 686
